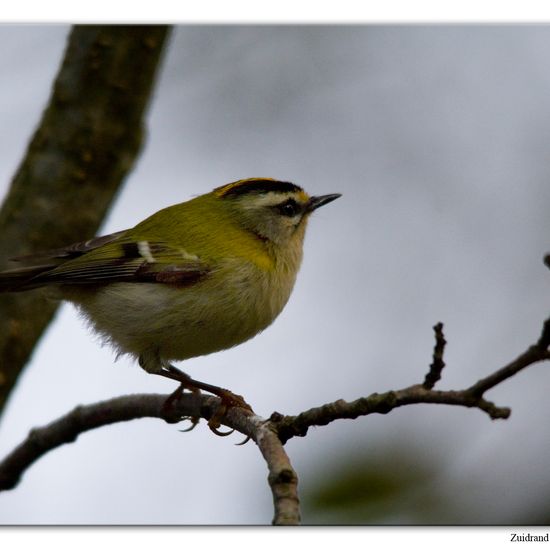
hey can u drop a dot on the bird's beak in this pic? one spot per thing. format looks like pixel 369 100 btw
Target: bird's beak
pixel 316 202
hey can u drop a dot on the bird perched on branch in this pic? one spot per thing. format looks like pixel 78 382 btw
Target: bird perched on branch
pixel 192 279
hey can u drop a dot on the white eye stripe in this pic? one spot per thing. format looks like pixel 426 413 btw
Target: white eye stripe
pixel 270 199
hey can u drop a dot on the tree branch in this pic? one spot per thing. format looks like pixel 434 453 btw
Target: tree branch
pixel 269 434
pixel 84 146
pixel 472 397
pixel 282 477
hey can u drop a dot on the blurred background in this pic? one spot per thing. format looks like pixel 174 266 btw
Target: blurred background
pixel 438 137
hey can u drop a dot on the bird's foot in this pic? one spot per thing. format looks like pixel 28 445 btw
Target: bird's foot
pixel 169 411
pixel 228 399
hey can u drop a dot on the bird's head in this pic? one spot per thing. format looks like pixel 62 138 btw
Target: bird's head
pixel 276 211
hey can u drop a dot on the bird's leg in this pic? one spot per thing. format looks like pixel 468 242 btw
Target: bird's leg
pixel 151 363
pixel 228 398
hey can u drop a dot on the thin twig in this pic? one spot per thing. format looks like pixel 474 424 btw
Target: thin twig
pixel 533 354
pixel 434 374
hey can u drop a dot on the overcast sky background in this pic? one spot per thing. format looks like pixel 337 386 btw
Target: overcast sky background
pixel 439 140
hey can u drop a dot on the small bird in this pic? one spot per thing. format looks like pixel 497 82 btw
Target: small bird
pixel 194 278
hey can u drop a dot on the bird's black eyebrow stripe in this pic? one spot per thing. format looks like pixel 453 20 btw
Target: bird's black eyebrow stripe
pixel 261 186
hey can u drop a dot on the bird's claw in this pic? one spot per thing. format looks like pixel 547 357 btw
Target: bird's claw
pixel 194 421
pixel 214 429
pixel 228 400
pixel 169 411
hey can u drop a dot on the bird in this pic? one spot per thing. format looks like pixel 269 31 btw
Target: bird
pixel 194 278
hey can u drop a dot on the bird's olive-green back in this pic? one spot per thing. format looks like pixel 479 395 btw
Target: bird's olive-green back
pixel 206 226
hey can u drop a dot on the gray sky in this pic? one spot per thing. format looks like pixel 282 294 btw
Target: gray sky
pixel 438 139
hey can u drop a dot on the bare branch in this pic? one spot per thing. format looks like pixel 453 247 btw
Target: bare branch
pixel 472 397
pixel 434 375
pixel 282 477
pixel 270 435
pixel 535 353
pixel 383 403
pixel 67 428
pixel 544 340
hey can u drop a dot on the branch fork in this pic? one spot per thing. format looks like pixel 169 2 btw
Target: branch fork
pixel 270 434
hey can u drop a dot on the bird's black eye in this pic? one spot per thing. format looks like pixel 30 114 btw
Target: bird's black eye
pixel 289 208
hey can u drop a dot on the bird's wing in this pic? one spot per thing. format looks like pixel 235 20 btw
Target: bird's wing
pixel 58 255
pixel 113 258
